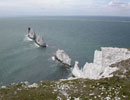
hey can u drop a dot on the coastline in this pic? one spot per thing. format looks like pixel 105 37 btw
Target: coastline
pixel 116 87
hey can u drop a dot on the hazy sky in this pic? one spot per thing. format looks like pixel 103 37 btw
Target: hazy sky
pixel 64 7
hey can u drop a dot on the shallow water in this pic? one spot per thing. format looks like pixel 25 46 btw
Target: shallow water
pixel 21 59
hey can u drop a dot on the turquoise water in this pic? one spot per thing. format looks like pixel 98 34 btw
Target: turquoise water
pixel 21 60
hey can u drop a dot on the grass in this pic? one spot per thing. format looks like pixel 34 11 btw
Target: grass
pixel 114 88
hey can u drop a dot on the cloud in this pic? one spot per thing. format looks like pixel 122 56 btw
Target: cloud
pixel 119 7
pixel 63 7
pixel 118 3
pixel 51 3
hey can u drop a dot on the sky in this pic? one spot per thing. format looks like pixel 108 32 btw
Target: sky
pixel 64 8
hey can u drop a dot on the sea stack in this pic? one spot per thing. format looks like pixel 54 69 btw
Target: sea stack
pixel 63 58
pixel 37 38
pixel 31 33
pixel 40 41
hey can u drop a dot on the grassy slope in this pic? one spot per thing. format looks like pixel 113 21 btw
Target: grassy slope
pixel 85 89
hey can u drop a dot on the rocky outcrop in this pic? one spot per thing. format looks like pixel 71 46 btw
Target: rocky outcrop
pixel 31 33
pixel 62 57
pixel 39 40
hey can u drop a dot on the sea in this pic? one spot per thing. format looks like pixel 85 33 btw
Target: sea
pixel 79 36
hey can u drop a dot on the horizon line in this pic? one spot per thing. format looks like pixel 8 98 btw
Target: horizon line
pixel 62 16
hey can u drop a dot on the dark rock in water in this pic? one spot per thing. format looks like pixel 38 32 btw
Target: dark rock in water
pixel 31 33
pixel 40 41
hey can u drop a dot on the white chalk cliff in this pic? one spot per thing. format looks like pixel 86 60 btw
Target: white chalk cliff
pixel 101 64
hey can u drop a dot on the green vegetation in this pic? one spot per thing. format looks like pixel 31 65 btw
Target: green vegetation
pixel 128 49
pixel 114 88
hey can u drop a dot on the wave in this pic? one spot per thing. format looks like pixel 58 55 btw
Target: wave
pixel 53 58
pixel 36 45
pixel 27 38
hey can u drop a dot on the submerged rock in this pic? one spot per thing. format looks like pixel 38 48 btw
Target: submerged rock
pixel 101 64
pixel 62 57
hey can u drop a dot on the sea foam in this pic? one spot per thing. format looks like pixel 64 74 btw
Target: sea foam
pixel 27 38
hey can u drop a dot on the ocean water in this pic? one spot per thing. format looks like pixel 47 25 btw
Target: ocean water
pixel 22 60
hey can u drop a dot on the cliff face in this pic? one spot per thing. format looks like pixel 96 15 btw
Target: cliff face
pixel 101 64
pixel 109 88
pixel 113 55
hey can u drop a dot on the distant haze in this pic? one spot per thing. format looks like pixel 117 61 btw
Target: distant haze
pixel 64 7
